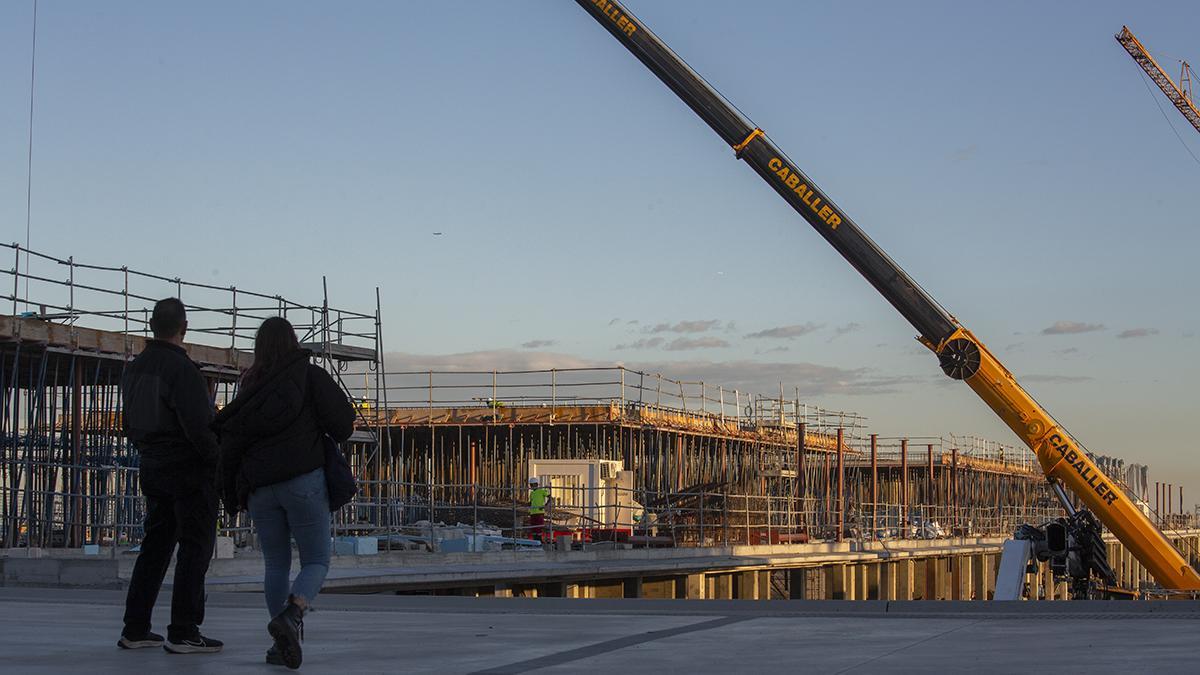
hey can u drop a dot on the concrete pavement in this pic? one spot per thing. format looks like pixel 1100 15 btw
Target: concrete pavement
pixel 57 630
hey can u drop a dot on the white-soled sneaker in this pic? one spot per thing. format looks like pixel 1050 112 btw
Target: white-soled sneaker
pixel 193 645
pixel 142 641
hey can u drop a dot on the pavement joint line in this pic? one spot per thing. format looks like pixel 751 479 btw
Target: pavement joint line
pixel 1175 610
pixel 607 646
pixel 908 646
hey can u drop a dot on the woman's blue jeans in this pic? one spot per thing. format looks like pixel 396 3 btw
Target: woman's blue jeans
pixel 297 508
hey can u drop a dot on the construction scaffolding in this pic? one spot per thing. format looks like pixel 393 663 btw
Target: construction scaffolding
pixel 750 468
pixel 710 465
pixel 67 474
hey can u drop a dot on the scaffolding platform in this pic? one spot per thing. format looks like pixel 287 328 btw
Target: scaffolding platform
pixel 34 335
pixel 337 351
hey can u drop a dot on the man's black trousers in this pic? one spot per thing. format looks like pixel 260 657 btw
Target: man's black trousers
pixel 177 511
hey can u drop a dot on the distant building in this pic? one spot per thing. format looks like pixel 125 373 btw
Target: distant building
pixel 1134 476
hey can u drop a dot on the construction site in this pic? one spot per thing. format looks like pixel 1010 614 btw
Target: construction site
pixel 637 464
pixel 505 492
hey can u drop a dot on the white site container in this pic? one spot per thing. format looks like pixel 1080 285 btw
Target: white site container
pixel 588 493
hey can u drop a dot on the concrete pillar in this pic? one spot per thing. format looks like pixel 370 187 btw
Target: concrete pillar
pixel 1048 582
pixel 1114 561
pixel 1126 568
pixel 839 582
pixel 871 587
pixel 722 586
pixel 934 583
pixel 633 587
pixel 862 581
pixel 749 586
pixel 764 584
pixel 797 584
pixel 607 588
pixel 981 577
pixel 888 573
pixel 905 581
pixel 694 587
pixel 959 578
pixel 658 588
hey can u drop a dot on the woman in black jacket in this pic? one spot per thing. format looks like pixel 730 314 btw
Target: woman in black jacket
pixel 273 437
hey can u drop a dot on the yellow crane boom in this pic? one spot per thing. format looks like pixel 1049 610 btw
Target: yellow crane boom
pixel 961 355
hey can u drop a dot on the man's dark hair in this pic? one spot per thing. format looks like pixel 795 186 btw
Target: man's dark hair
pixel 168 318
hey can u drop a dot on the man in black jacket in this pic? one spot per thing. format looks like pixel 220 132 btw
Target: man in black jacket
pixel 167 412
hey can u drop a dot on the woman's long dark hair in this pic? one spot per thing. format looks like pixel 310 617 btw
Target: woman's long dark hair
pixel 274 342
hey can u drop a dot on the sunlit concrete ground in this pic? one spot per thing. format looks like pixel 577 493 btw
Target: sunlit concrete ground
pixel 58 630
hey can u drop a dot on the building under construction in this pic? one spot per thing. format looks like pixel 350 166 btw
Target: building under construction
pixel 705 465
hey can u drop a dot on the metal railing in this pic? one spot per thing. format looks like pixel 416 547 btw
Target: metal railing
pixel 120 299
pixel 497 390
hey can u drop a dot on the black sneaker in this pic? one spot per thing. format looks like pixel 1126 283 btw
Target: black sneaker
pixel 288 630
pixel 197 644
pixel 147 639
pixel 274 658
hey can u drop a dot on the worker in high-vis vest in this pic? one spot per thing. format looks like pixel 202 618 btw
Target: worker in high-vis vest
pixel 539 499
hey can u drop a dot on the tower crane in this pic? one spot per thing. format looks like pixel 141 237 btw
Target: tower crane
pixel 1179 94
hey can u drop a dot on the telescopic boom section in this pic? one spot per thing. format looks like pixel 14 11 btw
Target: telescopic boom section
pixel 960 354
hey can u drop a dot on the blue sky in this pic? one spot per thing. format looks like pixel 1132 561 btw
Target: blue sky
pixel 1008 155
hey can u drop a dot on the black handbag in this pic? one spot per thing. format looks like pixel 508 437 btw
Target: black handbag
pixel 339 479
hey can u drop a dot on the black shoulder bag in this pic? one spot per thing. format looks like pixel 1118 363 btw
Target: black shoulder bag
pixel 339 479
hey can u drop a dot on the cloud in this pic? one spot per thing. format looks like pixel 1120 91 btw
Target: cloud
pixel 1056 379
pixel 614 321
pixel 772 350
pixel 484 361
pixel 644 343
pixel 1071 328
pixel 787 332
pixel 687 344
pixel 964 154
pixel 843 330
pixel 1067 351
pixel 700 326
pixel 813 380
pixel 538 344
pixel 1137 333
pixel 848 328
